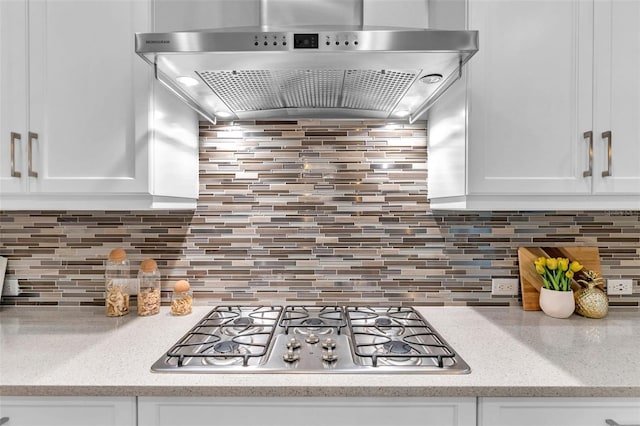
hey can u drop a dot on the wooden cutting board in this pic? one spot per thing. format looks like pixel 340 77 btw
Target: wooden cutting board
pixel 530 281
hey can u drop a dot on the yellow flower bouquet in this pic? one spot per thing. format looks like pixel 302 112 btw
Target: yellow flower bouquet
pixel 557 273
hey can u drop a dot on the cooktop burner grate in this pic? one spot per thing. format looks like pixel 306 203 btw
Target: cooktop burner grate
pixel 227 335
pixel 312 339
pixel 313 319
pixel 396 336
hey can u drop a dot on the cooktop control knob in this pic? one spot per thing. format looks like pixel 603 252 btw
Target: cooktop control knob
pixel 329 356
pixel 290 356
pixel 293 344
pixel 312 339
pixel 329 343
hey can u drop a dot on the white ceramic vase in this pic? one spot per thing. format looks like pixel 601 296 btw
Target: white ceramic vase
pixel 557 304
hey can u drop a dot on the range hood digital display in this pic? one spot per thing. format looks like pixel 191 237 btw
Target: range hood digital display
pixel 305 41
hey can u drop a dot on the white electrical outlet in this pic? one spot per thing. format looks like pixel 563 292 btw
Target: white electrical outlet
pixel 619 286
pixel 504 286
pixel 11 287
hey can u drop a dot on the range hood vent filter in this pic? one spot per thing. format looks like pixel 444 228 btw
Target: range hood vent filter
pixel 376 90
pixel 244 90
pixel 256 90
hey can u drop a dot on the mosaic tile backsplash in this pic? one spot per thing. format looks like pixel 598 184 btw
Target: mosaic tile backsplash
pixel 308 212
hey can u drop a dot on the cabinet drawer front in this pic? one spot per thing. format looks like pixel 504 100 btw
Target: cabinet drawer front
pixel 68 411
pixel 558 411
pixel 306 411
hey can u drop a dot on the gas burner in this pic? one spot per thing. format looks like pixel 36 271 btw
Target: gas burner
pixel 312 323
pixel 226 352
pixel 241 325
pixel 227 347
pixel 390 351
pixel 396 347
pixel 243 321
pixel 387 326
pixel 319 320
pixel 383 322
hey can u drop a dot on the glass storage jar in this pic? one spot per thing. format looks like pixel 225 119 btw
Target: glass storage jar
pixel 148 288
pixel 117 292
pixel 181 298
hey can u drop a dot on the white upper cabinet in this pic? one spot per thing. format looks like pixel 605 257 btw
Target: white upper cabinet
pixel 530 96
pixel 517 131
pixel 81 97
pixel 13 97
pixel 81 102
pixel 617 97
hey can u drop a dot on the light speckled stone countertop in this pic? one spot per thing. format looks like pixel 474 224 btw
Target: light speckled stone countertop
pixel 78 351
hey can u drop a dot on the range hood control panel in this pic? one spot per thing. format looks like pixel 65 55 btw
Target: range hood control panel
pixel 327 41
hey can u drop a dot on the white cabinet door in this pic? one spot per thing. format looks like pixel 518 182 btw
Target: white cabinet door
pixel 530 97
pixel 558 411
pixel 68 411
pixel 306 411
pixel 526 129
pixel 13 96
pixel 617 96
pixel 81 96
pixel 73 89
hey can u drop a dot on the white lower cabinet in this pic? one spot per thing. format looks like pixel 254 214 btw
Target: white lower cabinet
pixel 314 411
pixel 559 411
pixel 306 411
pixel 67 411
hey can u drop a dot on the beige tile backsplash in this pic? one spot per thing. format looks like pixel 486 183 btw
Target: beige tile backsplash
pixel 308 212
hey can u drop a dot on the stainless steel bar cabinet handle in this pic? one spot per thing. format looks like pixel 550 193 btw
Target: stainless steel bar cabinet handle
pixel 32 136
pixel 607 137
pixel 589 135
pixel 14 137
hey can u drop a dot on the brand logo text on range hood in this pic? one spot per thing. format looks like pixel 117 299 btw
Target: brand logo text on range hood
pixel 248 73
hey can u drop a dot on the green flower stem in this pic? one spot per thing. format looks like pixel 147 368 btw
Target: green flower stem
pixel 553 279
pixel 556 280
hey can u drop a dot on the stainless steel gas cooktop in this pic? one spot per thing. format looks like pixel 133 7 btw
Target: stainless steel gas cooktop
pixel 312 339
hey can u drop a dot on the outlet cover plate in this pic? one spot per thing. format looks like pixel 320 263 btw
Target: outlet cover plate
pixel 505 286
pixel 620 286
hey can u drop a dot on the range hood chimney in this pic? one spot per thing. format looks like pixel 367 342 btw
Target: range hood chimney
pixel 293 67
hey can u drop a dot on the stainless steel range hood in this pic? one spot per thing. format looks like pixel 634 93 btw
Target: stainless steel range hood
pixel 327 72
